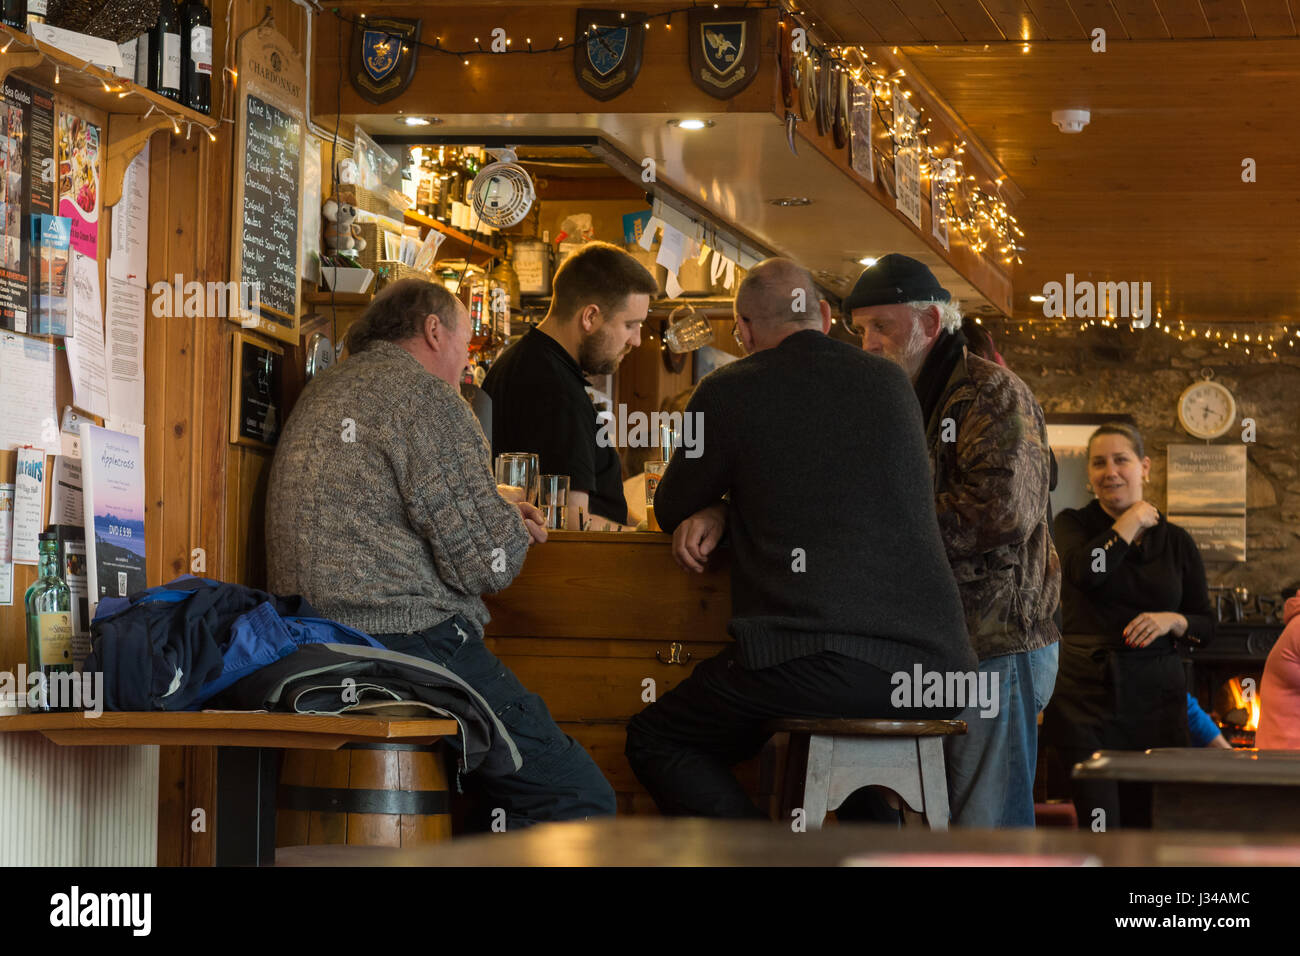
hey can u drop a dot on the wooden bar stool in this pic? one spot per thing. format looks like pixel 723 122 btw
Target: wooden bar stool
pixel 828 760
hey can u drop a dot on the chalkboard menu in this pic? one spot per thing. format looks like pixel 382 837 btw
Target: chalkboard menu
pixel 270 133
pixel 272 171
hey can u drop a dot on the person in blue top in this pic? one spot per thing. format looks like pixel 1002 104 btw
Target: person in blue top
pixel 1202 728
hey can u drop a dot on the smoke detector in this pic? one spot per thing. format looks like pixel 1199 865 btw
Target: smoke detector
pixel 1070 121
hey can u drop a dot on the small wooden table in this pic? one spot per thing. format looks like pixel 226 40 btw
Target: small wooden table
pixel 1206 788
pixel 660 841
pixel 246 742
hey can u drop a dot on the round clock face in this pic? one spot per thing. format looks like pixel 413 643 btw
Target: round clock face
pixel 1207 409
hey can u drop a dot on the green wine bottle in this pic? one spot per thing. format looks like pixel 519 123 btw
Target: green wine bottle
pixel 49 622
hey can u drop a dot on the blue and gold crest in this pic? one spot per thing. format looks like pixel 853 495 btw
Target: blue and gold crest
pixel 723 49
pixel 384 51
pixel 380 53
pixel 607 56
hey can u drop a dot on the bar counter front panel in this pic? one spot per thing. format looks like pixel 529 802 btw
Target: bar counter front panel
pixel 591 617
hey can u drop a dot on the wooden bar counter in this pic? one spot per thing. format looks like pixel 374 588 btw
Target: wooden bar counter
pixel 599 624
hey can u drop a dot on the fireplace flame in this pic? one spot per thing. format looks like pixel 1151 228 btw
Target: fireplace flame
pixel 1247 701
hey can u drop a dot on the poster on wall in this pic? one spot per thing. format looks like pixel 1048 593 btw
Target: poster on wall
pixel 113 507
pixel 80 168
pixel 15 239
pixel 1207 479
pixel 1207 496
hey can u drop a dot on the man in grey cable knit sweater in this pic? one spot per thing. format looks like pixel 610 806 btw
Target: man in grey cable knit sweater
pixel 384 514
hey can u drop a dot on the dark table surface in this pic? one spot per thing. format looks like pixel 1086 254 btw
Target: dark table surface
pixel 657 841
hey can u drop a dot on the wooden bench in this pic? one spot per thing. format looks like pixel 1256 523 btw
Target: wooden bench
pixel 1205 788
pixel 828 760
pixel 247 743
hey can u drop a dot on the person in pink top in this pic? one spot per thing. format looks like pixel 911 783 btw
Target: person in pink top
pixel 1279 692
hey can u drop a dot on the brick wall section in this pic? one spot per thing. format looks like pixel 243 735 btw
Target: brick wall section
pixel 1143 372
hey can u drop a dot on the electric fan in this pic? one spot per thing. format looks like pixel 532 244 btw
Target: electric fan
pixel 502 191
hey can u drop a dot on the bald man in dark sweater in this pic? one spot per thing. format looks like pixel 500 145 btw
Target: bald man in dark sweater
pixel 839 577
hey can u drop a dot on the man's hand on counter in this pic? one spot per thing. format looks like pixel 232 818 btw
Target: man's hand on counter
pixel 697 536
pixel 534 520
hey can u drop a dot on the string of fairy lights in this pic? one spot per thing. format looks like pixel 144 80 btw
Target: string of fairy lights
pixel 982 218
pixel 28 44
pixel 1255 340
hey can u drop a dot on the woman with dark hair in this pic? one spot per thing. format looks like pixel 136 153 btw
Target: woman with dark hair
pixel 1131 585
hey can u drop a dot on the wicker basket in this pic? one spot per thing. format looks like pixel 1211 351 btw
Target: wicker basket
pixel 388 271
pixel 116 20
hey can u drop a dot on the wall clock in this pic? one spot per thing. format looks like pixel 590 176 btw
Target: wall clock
pixel 1206 409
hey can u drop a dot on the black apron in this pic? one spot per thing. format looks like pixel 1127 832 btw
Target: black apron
pixel 1112 697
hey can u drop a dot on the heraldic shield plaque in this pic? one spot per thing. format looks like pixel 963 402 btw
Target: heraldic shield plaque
pixel 724 49
pixel 384 51
pixel 607 59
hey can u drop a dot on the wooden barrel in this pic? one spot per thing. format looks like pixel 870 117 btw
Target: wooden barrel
pixel 364 794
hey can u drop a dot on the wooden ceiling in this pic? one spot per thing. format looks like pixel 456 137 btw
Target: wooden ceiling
pixel 992 21
pixel 1151 190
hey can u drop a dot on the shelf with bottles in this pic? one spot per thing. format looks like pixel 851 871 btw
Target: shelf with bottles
pixel 51 68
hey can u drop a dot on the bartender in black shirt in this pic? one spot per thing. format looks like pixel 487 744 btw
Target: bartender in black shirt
pixel 538 390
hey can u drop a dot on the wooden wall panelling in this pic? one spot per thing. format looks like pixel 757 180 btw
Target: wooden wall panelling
pixel 1097 13
pixel 1270 18
pixel 1058 20
pixel 1185 19
pixel 1141 19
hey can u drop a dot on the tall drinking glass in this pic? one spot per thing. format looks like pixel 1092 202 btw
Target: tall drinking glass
pixel 554 500
pixel 654 470
pixel 515 475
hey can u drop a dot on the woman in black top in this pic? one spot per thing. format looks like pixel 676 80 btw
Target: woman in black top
pixel 1131 585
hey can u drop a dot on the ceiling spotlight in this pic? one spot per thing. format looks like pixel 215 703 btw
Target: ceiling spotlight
pixel 1038 298
pixel 791 201
pixel 691 124
pixel 420 120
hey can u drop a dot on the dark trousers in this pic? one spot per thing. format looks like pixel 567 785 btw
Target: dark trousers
pixel 681 746
pixel 559 780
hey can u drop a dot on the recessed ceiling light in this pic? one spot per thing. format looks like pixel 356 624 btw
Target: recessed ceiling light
pixel 1038 298
pixel 791 201
pixel 691 123
pixel 420 120
pixel 867 261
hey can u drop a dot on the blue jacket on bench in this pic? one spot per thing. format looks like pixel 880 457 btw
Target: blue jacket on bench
pixel 173 647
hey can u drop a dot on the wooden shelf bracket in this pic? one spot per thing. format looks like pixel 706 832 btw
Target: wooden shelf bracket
pixel 127 136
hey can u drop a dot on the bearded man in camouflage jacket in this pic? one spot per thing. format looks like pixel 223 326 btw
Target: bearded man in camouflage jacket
pixel 991 466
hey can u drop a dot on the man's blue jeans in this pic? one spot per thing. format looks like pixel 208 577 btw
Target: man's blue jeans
pixel 558 780
pixel 991 767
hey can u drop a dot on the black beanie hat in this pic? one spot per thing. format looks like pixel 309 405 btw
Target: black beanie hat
pixel 892 280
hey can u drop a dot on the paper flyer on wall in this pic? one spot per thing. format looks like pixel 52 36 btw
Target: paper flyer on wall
pixel 113 504
pixel 87 362
pixel 65 494
pixel 128 255
pixel 80 162
pixel 6 550
pixel 907 159
pixel 51 249
pixel 29 505
pixel 124 344
pixel 26 391
pixel 15 238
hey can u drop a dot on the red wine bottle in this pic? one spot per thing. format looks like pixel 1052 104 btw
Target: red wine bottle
pixel 165 52
pixel 196 56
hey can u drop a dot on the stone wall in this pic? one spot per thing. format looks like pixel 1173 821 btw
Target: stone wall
pixel 1142 373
